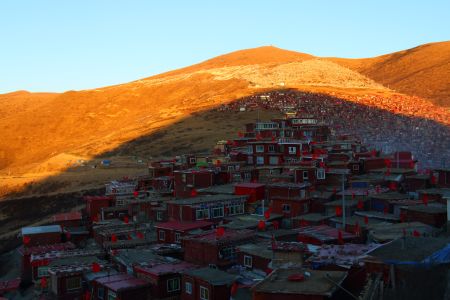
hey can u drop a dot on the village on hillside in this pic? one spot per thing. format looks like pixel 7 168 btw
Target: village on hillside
pixel 289 208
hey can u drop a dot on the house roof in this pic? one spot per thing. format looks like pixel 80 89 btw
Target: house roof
pixel 130 257
pixel 46 248
pixel 289 185
pixel 70 216
pixel 167 268
pixel 227 189
pixel 323 233
pixel 259 249
pixel 250 185
pixel 41 229
pixel 315 283
pixel 312 217
pixel 212 276
pixel 229 236
pixel 126 283
pixel 389 196
pixel 387 231
pixel 183 226
pixel 208 198
pixel 342 255
pixel 432 208
pixel 414 249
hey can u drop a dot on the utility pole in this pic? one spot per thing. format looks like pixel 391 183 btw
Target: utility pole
pixel 343 201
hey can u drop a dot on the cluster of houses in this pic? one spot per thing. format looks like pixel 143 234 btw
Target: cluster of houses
pixel 286 210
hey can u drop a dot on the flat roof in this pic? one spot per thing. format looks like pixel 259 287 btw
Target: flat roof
pixel 388 231
pixel 69 216
pixel 212 276
pixel 227 189
pixel 389 196
pixel 207 198
pixel 183 226
pixel 260 250
pixel 431 208
pixel 130 283
pixel 312 217
pixel 251 185
pixel 323 232
pixel 315 283
pixel 41 229
pixel 168 268
pixel 414 249
pixel 229 235
pixel 289 185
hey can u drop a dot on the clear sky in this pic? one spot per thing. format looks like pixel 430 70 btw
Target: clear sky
pixel 70 45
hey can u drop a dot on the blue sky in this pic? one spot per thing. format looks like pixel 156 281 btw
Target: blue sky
pixel 71 45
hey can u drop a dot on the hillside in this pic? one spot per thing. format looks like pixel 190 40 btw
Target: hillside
pixel 56 131
pixel 422 71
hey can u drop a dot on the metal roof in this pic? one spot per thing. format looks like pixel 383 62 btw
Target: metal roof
pixel 41 229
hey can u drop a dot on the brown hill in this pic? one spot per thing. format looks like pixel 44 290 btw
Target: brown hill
pixel 56 131
pixel 422 71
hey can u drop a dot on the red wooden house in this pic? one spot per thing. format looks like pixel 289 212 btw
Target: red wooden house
pixel 164 279
pixel 212 208
pixel 255 256
pixel 323 234
pixel 443 178
pixel 94 204
pixel 187 181
pixel 41 235
pixel 121 286
pixel 171 232
pixel 289 199
pixel 206 284
pixel 214 249
pixel 295 283
pixel 433 214
pixel 254 191
pixel 69 219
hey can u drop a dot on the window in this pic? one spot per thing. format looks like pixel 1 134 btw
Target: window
pixel 355 167
pixel 192 160
pixel 249 149
pixel 247 176
pixel 230 168
pixel 227 253
pixel 73 283
pixel 273 160
pixel 250 160
pixel 112 295
pixel 320 173
pixel 101 293
pixel 259 160
pixel 217 212
pixel 173 285
pixel 302 194
pixel 159 216
pixel 183 178
pixel 305 207
pixel 202 213
pixel 204 293
pixel 305 174
pixel 236 209
pixel 292 150
pixel 271 148
pixel 248 261
pixel 188 288
pixel 177 237
pixel 259 148
pixel 286 208
pixel 42 272
pixel 162 235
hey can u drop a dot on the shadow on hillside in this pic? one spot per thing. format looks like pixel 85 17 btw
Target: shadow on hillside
pixel 427 139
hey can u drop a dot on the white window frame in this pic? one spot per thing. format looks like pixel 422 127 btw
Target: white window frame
pixel 259 148
pixel 250 160
pixel 42 271
pixel 249 149
pixel 302 194
pixel 159 215
pixel 271 148
pixel 320 173
pixel 236 209
pixel 284 206
pixel 230 168
pixel 204 293
pixel 248 261
pixel 176 287
pixel 355 167
pixel 162 235
pixel 221 212
pixel 305 207
pixel 260 160
pixel 177 237
pixel 292 149
pixel 112 295
pixel 192 160
pixel 202 211
pixel 188 288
